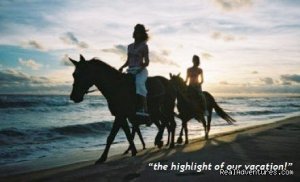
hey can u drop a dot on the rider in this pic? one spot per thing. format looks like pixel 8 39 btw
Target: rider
pixel 137 61
pixel 192 78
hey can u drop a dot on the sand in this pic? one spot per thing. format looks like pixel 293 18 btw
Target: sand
pixel 272 143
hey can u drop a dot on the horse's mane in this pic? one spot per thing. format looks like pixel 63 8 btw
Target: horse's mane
pixel 108 68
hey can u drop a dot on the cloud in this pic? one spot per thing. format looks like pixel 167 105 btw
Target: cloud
pixel 33 44
pixel 15 81
pixel 65 60
pixel 287 79
pixel 13 77
pixel 206 55
pixel 70 39
pixel 224 83
pixel 165 52
pixel 223 36
pixel 216 35
pixel 267 81
pixel 154 56
pixel 120 50
pixel 231 5
pixel 30 63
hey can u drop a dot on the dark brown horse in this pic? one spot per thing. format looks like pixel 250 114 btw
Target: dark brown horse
pixel 190 105
pixel 119 90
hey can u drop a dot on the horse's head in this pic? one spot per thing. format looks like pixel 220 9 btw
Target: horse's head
pixel 178 82
pixel 83 79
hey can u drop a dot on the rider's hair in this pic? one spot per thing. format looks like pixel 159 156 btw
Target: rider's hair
pixel 140 33
pixel 196 60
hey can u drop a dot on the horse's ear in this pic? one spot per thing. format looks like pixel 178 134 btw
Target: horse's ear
pixel 73 61
pixel 178 74
pixel 170 75
pixel 82 58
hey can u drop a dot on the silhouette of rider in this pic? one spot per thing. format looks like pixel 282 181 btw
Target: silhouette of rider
pixel 192 79
pixel 137 62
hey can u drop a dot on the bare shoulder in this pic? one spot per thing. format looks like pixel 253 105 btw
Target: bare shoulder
pixel 200 70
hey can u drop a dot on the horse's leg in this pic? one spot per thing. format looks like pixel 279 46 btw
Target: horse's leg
pixel 172 127
pixel 129 137
pixel 158 139
pixel 141 137
pixel 186 133
pixel 110 139
pixel 202 118
pixel 179 140
pixel 133 135
pixel 209 120
pixel 160 126
pixel 169 135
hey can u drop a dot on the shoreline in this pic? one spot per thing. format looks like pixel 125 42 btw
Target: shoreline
pixel 117 158
pixel 86 155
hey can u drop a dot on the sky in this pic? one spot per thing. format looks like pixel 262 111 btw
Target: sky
pixel 245 46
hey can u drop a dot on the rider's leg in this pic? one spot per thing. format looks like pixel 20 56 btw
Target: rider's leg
pixel 141 91
pixel 205 105
pixel 203 100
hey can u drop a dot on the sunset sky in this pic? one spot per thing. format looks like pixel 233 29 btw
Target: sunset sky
pixel 245 46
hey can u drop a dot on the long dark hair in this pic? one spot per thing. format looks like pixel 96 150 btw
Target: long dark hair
pixel 196 60
pixel 140 33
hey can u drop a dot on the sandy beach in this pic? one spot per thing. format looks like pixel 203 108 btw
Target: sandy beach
pixel 275 143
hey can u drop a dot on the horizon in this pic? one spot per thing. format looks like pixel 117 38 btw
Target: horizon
pixel 249 47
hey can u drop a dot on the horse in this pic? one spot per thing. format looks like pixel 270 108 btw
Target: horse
pixel 190 105
pixel 119 90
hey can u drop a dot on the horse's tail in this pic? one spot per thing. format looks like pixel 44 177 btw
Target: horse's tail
pixel 220 111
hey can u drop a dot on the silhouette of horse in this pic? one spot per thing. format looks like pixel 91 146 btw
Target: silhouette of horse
pixel 119 90
pixel 190 105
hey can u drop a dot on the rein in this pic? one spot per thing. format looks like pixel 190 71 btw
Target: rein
pixel 90 91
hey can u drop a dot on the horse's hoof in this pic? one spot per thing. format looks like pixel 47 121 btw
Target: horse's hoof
pixel 160 144
pixel 186 142
pixel 206 137
pixel 126 152
pixel 133 152
pixel 100 161
pixel 179 140
pixel 144 148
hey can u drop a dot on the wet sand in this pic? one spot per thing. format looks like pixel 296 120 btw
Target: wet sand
pixel 275 143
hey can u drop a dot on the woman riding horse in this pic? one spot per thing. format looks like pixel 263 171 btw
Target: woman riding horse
pixel 188 107
pixel 137 61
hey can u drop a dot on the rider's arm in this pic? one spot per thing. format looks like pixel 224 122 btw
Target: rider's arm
pixel 146 56
pixel 124 65
pixel 201 76
pixel 187 76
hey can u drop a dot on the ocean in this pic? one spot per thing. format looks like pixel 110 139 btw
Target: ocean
pixel 37 126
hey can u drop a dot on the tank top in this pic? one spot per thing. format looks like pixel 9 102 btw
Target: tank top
pixel 136 54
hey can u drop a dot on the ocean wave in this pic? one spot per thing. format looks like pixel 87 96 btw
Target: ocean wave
pixel 33 101
pixel 46 103
pixel 12 136
pixel 85 129
pixel 262 112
